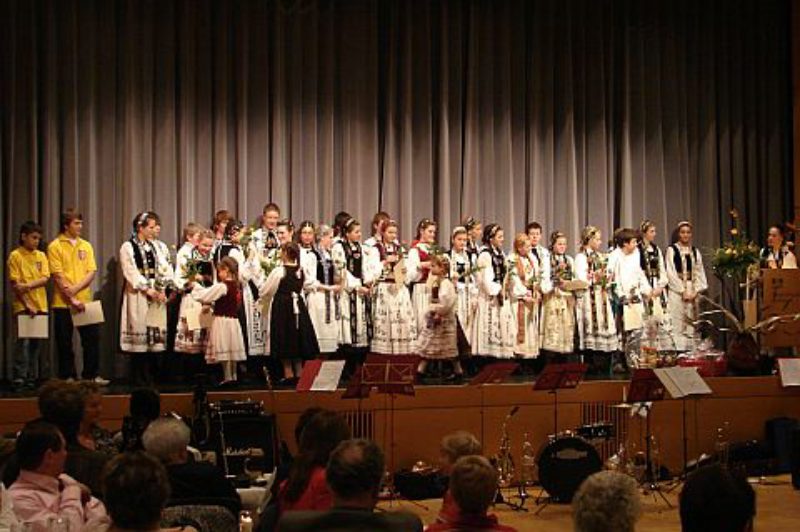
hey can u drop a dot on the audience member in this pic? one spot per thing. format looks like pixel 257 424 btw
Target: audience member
pixel 190 482
pixel 62 404
pixel 715 500
pixel 145 406
pixel 91 435
pixel 454 446
pixel 42 490
pixel 606 501
pixel 354 474
pixel 136 489
pixel 306 488
pixel 8 519
pixel 473 483
pixel 286 456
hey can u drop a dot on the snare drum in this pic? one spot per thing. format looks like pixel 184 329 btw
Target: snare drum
pixel 564 463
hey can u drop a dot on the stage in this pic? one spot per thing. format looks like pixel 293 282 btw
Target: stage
pixel 409 427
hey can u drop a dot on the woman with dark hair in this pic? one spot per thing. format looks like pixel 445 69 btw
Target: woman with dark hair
pixel 777 255
pixel 687 278
pixel 418 265
pixel 142 296
pixel 292 337
pixel 306 487
pixel 356 302
pixel 493 333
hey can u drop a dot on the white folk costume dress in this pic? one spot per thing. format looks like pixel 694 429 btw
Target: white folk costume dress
pixel 417 278
pixel 494 331
pixel 783 259
pixel 355 308
pixel 251 279
pixel 140 268
pixel 597 329
pixel 464 278
pixel 186 341
pixel 685 272
pixel 437 340
pixel 292 334
pixel 323 304
pixel 526 280
pixel 394 324
pixel 652 264
pixel 558 309
pixel 225 342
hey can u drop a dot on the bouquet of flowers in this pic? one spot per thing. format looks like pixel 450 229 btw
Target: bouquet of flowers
pixel 246 236
pixel 270 263
pixel 602 277
pixel 736 256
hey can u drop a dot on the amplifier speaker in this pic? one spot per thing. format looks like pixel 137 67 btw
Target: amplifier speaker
pixel 250 442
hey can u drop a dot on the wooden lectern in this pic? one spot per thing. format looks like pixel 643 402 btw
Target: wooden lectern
pixel 781 289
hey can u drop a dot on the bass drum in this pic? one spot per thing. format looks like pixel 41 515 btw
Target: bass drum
pixel 564 463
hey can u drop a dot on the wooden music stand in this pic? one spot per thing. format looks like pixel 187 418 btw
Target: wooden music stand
pixel 781 297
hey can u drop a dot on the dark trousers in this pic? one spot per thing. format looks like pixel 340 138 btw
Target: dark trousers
pixel 90 341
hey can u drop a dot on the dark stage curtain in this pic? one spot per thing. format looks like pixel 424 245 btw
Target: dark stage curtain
pixel 567 112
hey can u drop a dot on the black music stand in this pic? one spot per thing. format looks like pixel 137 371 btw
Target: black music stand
pixel 556 377
pixel 646 388
pixel 390 375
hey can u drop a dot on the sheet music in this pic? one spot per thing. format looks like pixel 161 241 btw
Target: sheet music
pixel 156 316
pixel 789 368
pixel 327 379
pixel 682 382
pixel 92 315
pixel 193 318
pixel 632 316
pixel 32 326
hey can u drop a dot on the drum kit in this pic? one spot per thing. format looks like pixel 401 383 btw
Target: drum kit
pixel 569 457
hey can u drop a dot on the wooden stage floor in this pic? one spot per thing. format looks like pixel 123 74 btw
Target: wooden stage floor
pixel 777 509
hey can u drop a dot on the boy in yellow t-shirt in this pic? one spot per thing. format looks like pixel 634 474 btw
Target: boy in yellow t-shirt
pixel 28 272
pixel 73 267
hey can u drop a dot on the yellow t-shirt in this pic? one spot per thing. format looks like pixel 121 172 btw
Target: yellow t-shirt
pixel 25 266
pixel 74 262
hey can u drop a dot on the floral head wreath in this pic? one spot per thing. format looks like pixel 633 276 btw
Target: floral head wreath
pixel 645 226
pixel 470 223
pixel 458 230
pixel 349 224
pixel 588 233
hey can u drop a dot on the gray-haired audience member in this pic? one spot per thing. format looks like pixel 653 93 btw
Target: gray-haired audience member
pixel 191 482
pixel 354 474
pixel 715 500
pixel 606 501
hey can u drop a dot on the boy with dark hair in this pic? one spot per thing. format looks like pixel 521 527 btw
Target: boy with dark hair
pixel 28 271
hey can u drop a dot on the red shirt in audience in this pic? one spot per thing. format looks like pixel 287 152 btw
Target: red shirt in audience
pixel 470 522
pixel 449 510
pixel 317 496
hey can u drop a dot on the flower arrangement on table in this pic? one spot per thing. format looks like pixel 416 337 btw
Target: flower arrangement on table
pixel 737 256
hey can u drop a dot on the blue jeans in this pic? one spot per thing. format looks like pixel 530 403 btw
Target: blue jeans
pixel 26 360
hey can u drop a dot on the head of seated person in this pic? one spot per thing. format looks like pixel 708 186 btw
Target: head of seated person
pixel 167 439
pixel 41 449
pixel 454 446
pixel 136 489
pixel 715 500
pixel 473 483
pixel 322 433
pixel 62 404
pixel 606 501
pixel 354 474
